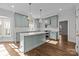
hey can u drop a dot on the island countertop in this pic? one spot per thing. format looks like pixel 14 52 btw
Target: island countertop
pixel 32 33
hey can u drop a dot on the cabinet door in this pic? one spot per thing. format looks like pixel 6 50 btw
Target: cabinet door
pixel 53 35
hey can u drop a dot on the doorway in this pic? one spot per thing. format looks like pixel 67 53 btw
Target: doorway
pixel 63 30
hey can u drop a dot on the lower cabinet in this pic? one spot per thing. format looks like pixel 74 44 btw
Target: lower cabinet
pixel 54 35
pixel 29 42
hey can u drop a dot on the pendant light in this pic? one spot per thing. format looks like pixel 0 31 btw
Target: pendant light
pixel 30 18
pixel 40 20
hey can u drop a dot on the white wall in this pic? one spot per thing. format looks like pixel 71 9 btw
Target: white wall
pixel 70 16
pixel 77 19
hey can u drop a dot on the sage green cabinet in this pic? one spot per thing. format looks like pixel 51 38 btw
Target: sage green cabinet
pixel 21 20
pixel 53 35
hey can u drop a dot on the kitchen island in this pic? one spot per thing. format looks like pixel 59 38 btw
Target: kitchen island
pixel 28 41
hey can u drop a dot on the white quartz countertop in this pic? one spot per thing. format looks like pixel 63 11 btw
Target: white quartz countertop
pixel 32 33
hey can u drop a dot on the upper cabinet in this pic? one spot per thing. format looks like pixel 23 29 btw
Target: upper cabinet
pixel 48 21
pixel 52 21
pixel 21 20
pixel 37 24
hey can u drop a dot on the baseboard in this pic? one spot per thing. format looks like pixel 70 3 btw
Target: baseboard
pixel 72 42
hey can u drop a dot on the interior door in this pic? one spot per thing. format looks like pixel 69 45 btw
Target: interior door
pixel 63 30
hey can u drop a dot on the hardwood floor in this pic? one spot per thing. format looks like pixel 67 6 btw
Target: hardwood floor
pixel 50 48
pixel 65 37
pixel 60 49
pixel 8 48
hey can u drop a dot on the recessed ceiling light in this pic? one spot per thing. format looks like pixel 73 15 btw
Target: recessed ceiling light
pixel 12 6
pixel 60 9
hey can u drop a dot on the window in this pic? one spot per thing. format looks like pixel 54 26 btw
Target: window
pixel 4 27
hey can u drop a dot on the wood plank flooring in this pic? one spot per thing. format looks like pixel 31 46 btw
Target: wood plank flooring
pixel 61 48
pixel 8 49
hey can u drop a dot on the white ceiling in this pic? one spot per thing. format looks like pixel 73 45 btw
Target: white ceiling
pixel 47 8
